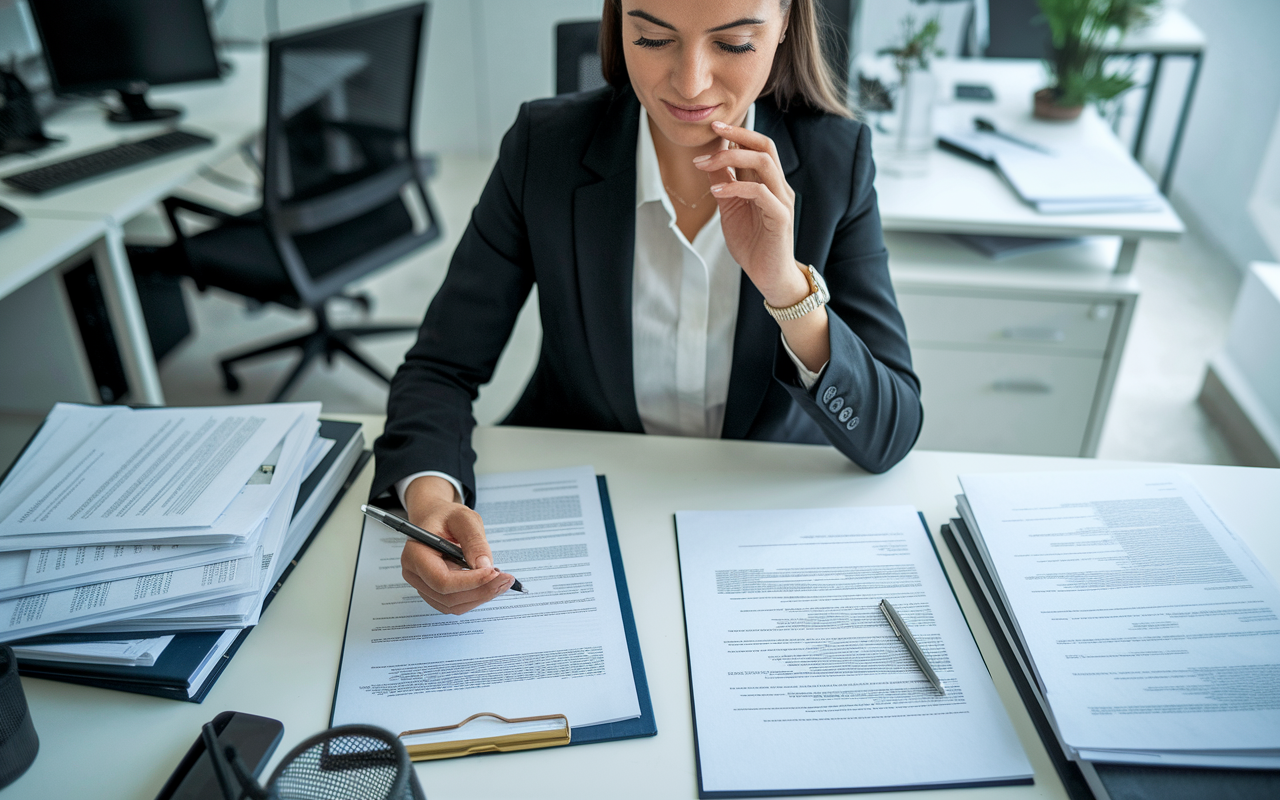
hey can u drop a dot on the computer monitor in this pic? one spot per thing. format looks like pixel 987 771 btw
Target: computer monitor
pixel 126 46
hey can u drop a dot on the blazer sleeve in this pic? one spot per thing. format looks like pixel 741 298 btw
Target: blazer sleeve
pixel 867 400
pixel 429 419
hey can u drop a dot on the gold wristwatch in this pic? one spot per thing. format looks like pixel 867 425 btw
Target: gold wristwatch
pixel 818 296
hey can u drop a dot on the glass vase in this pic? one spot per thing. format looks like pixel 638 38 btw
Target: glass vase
pixel 911 138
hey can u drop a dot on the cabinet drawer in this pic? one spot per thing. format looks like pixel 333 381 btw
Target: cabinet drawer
pixel 1079 328
pixel 1005 402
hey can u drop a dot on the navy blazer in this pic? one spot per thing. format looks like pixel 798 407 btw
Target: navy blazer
pixel 559 210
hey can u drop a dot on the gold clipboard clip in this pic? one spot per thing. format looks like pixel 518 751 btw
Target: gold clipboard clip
pixel 528 740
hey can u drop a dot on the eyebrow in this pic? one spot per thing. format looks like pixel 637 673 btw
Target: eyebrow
pixel 738 23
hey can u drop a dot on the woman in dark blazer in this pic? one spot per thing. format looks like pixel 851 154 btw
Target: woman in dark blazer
pixel 725 328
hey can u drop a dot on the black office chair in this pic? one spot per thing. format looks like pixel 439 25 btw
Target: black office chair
pixel 578 57
pixel 1017 30
pixel 341 185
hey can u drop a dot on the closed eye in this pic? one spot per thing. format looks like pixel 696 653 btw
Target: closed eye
pixel 736 48
pixel 651 43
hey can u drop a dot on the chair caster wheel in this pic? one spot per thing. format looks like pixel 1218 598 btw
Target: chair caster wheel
pixel 229 381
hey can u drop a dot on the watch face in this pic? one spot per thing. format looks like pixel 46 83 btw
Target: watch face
pixel 820 283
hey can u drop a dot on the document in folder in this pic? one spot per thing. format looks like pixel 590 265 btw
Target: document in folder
pixel 559 650
pixel 799 684
pixel 1151 629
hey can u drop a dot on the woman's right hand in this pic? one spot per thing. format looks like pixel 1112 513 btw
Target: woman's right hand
pixel 447 587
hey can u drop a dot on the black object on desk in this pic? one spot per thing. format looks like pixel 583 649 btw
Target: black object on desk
pixel 8 218
pixel 1089 780
pixel 20 128
pixel 18 741
pixel 100 162
pixel 974 91
pixel 150 44
pixel 254 738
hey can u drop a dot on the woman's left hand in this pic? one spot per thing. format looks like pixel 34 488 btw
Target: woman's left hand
pixel 757 209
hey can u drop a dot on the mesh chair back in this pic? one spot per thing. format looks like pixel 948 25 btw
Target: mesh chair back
pixel 1017 30
pixel 349 762
pixel 339 150
pixel 578 57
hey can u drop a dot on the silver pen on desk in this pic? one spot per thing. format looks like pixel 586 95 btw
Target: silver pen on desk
pixel 441 545
pixel 903 633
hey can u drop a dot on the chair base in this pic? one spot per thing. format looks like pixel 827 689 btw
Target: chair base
pixel 323 340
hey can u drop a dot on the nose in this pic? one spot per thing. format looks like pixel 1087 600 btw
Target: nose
pixel 691 75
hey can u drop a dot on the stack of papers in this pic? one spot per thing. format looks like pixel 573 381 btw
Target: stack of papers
pixel 151 520
pixel 1076 179
pixel 1149 630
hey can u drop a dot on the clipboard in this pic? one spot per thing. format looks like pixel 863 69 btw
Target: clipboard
pixel 550 730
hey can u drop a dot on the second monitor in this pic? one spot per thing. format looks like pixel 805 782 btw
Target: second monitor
pixel 127 46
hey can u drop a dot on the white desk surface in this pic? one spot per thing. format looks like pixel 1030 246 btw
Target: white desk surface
pixel 34 244
pixel 97 743
pixel 958 195
pixel 1171 33
pixel 230 110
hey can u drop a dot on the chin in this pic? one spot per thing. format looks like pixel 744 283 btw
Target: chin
pixel 690 134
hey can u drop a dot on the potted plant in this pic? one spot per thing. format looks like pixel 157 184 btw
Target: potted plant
pixel 917 87
pixel 1079 30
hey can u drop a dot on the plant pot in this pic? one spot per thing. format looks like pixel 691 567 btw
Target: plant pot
pixel 1047 107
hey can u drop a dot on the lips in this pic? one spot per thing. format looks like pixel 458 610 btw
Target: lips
pixel 690 113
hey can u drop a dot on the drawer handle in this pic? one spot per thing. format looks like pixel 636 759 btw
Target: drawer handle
pixel 1022 387
pixel 1034 334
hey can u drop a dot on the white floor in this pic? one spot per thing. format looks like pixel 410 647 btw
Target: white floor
pixel 1187 293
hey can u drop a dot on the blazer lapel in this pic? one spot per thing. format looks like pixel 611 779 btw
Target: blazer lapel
pixel 756 337
pixel 604 215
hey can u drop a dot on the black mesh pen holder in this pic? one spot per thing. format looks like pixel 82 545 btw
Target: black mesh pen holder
pixel 18 742
pixel 350 762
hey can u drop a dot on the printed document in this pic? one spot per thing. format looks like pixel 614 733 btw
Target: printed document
pixel 799 683
pixel 150 469
pixel 1151 627
pixel 561 649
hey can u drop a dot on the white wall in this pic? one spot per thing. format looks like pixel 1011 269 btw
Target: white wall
pixel 483 58
pixel 1232 121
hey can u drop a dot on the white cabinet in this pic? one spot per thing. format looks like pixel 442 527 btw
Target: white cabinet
pixel 1016 356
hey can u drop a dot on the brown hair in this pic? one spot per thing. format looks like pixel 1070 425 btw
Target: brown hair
pixel 800 72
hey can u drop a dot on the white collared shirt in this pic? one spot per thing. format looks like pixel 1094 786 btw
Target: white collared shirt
pixel 684 310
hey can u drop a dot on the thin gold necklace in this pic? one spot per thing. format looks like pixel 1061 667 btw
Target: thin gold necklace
pixel 681 200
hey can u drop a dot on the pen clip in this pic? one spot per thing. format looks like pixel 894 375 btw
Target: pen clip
pixel 884 609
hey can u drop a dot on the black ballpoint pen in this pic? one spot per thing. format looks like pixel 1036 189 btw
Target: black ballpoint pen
pixel 441 545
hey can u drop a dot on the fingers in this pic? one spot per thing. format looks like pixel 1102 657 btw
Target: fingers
pixel 748 140
pixel 446 586
pixel 458 602
pixel 442 575
pixel 465 527
pixel 757 193
pixel 749 165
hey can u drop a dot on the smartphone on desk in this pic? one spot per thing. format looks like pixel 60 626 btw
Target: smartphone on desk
pixel 254 738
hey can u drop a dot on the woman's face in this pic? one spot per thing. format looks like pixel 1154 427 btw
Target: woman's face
pixel 694 62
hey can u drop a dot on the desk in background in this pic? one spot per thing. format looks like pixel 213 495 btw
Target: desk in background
pixel 101 743
pixel 1016 356
pixel 231 110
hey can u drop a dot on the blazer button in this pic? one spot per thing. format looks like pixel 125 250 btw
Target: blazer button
pixel 828 394
pixel 845 414
pixel 853 423
pixel 836 405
